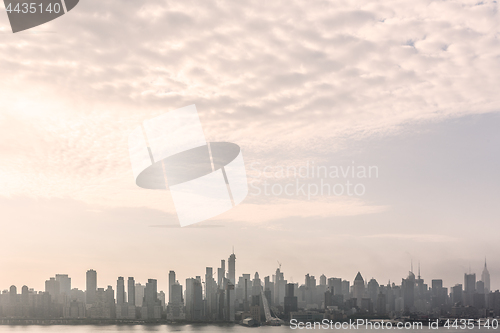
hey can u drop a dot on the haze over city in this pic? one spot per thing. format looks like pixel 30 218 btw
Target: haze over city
pixel 411 88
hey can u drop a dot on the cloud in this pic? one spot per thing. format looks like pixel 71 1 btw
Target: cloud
pixel 289 76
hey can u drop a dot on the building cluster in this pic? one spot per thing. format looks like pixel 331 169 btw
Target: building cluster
pixel 59 300
pixel 222 297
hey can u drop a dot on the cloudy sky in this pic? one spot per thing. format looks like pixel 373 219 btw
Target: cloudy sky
pixel 408 87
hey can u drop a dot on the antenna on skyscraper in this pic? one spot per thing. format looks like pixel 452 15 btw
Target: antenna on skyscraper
pixel 233 249
pixel 419 269
pixel 279 265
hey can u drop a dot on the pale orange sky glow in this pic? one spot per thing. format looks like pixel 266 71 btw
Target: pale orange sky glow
pixel 409 87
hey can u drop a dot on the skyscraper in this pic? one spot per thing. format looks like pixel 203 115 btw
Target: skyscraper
pixel 485 277
pixel 171 281
pixel 408 288
pixel 358 289
pixel 91 286
pixel 131 291
pixel 120 291
pixel 469 288
pixel 151 305
pixel 231 268
pixel 221 272
pixel 210 294
pixel 290 300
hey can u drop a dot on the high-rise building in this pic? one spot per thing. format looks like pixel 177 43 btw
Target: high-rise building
pixel 231 268
pixel 358 289
pixel 151 305
pixel 175 308
pixel 64 283
pixel 91 289
pixel 120 291
pixel 485 277
pixel 53 288
pixel 139 294
pixel 322 280
pixel 279 287
pixel 469 289
pixel 131 291
pixel 194 299
pixel 210 295
pixel 290 300
pixel 171 282
pixel 373 290
pixel 346 288
pixel 221 273
pixel 457 294
pixel 408 288
pixel 335 285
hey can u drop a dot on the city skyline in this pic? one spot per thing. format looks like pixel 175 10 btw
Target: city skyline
pixel 178 277
pixel 408 88
pixel 224 295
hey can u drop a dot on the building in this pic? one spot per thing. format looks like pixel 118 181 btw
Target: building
pixel 469 289
pixel 408 289
pixel 194 299
pixel 485 277
pixel 175 307
pixel 91 288
pixel 171 282
pixel 358 289
pixel 231 269
pixel 131 291
pixel 64 283
pixel 139 294
pixel 291 302
pixel 457 295
pixel 151 305
pixel 120 291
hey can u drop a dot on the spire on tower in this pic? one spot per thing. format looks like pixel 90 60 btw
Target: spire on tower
pixel 419 269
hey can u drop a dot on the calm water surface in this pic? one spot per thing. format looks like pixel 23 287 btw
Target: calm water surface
pixel 193 328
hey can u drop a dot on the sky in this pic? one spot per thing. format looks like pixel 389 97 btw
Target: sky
pixel 408 88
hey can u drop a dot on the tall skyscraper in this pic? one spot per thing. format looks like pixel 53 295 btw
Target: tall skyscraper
pixel 290 300
pixel 91 288
pixel 120 291
pixel 171 282
pixel 175 308
pixel 231 268
pixel 408 288
pixel 194 299
pixel 131 291
pixel 485 277
pixel 358 289
pixel 151 305
pixel 210 294
pixel 469 288
pixel 221 272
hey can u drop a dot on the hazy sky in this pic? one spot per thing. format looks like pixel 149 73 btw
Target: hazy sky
pixel 408 87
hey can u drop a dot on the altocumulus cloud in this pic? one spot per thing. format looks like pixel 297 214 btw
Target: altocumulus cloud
pixel 286 74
